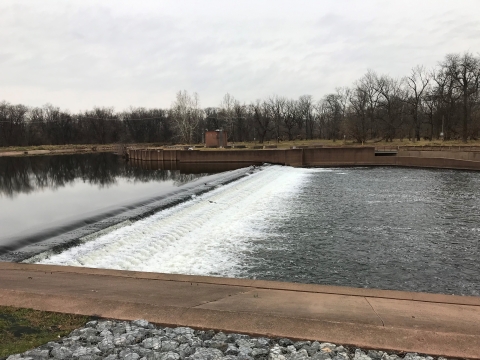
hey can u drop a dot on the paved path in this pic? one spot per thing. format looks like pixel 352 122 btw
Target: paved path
pixel 372 319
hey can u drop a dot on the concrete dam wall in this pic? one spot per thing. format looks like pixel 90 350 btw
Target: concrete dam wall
pixel 318 157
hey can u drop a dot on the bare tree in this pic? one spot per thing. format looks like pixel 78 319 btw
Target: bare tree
pixel 186 114
pixel 291 118
pixel 227 112
pixel 465 72
pixel 305 105
pixel 391 105
pixel 367 85
pixel 417 82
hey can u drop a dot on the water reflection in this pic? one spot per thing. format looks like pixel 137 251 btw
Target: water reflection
pixel 29 174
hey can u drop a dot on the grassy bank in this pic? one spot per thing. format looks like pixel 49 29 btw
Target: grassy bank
pixel 24 329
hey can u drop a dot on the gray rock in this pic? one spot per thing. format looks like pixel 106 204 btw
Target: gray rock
pixel 276 353
pixel 261 343
pixel 299 355
pixel 183 338
pixel 104 325
pixel 375 355
pixel 231 350
pixel 291 349
pixel 232 338
pixel 244 351
pixel 207 335
pixel 86 332
pixel 256 352
pixel 220 336
pixel 206 354
pixel 245 343
pixel 124 352
pixel 169 345
pixel 92 324
pixel 111 357
pixel 285 342
pixel 216 344
pixel 119 330
pixel 145 353
pixel 141 323
pixel 61 353
pixel 88 357
pixel 15 357
pixel 152 343
pixel 131 356
pixel 315 345
pixel 195 342
pixel 93 340
pixel 300 344
pixel 80 351
pixel 170 355
pixel 321 355
pixel 38 353
pixel 341 356
pixel 185 350
pixel 184 330
pixel 391 357
pixel 413 356
pixel 242 356
pixel 106 333
pixel 105 345
pixel 360 355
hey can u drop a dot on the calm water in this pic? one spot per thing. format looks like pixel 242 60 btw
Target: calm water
pixel 390 228
pixel 43 194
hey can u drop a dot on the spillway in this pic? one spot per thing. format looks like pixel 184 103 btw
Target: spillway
pixel 209 234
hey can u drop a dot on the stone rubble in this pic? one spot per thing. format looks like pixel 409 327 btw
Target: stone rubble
pixel 140 340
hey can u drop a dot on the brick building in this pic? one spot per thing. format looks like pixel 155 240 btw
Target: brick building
pixel 217 138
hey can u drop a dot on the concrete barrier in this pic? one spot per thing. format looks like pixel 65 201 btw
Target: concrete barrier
pixel 459 155
pixel 319 156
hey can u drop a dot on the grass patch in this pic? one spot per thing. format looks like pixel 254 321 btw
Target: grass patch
pixel 24 329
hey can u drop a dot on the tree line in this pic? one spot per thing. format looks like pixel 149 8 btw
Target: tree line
pixel 431 104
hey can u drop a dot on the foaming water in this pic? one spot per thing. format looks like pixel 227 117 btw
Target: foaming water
pixel 208 235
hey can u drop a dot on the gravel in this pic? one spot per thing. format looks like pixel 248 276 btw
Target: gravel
pixel 141 340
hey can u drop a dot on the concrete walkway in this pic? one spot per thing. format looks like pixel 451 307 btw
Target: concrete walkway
pixel 373 319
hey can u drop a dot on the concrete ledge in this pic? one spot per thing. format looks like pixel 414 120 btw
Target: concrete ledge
pixel 435 324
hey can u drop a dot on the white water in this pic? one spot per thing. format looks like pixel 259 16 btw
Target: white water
pixel 208 235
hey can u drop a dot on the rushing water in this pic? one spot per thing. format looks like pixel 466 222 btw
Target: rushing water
pixel 390 228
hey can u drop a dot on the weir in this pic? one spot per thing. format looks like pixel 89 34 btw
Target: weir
pixel 461 159
pixel 435 324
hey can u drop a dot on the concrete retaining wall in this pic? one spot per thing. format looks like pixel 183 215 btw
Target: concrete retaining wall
pixel 460 155
pixel 335 156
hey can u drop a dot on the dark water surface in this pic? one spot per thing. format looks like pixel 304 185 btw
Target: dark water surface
pixel 389 228
pixel 44 193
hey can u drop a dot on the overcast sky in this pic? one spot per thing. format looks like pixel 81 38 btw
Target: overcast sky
pixel 80 54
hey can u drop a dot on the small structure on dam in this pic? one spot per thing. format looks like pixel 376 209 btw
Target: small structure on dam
pixel 217 138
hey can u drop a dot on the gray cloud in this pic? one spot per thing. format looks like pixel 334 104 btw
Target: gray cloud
pixel 78 54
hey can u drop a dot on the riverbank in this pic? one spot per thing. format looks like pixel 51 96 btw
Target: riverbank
pixel 91 148
pixel 434 324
